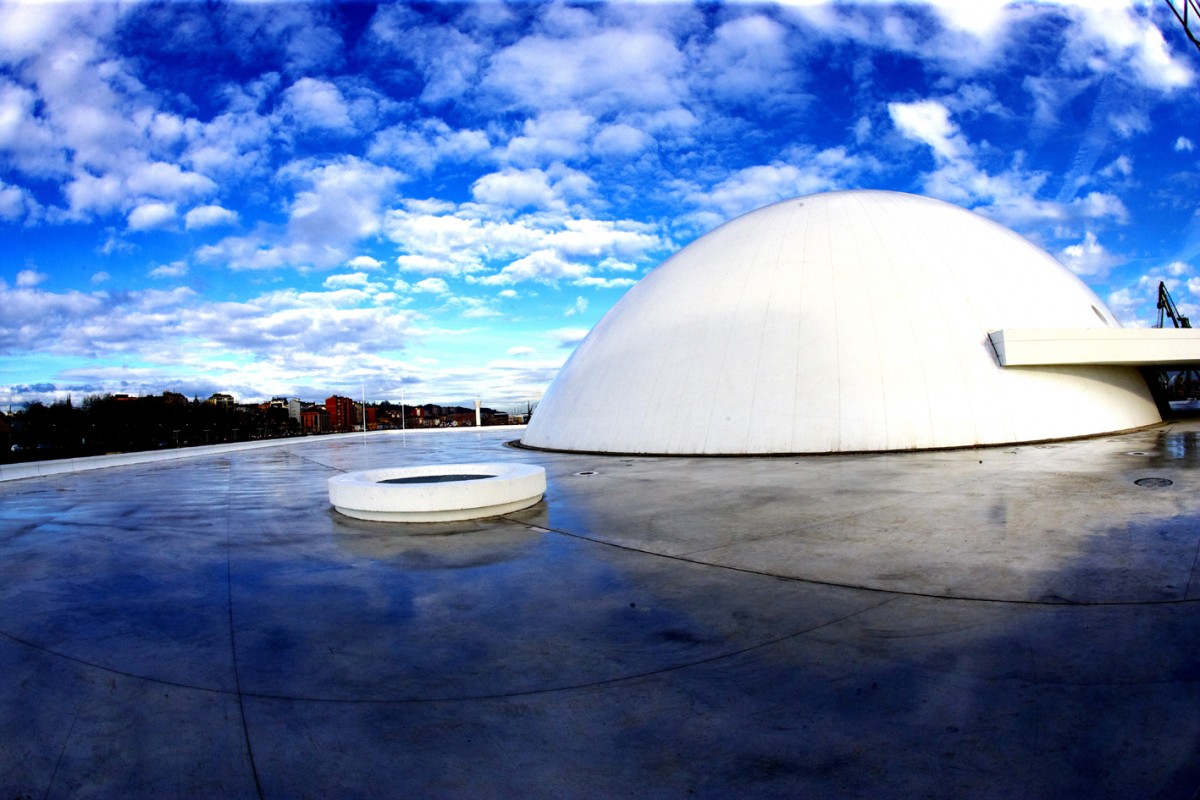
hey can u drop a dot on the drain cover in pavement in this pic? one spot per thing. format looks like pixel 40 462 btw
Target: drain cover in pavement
pixel 1154 482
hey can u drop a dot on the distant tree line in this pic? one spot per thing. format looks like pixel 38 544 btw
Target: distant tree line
pixel 119 424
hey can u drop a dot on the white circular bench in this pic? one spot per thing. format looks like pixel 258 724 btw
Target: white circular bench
pixel 437 493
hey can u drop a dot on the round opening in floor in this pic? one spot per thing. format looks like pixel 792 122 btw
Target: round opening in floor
pixel 437 492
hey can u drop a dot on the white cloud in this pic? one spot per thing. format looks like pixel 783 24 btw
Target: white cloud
pixel 151 216
pixel 343 197
pixel 1121 166
pixel 339 202
pixel 209 216
pixel 88 194
pixel 167 181
pixel 83 114
pixel 809 171
pixel 27 138
pixel 862 130
pixel 295 36
pixel 594 282
pixel 578 307
pixel 983 19
pixel 315 103
pixel 236 144
pixel 429 264
pixel 444 240
pixel 454 244
pixel 1099 36
pixel 545 266
pixel 176 269
pixel 552 136
pixel 928 121
pixel 618 69
pixel 1050 94
pixel 287 325
pixel 568 337
pixel 1184 145
pixel 594 238
pixel 431 285
pixel 1009 196
pixel 621 139
pixel 425 145
pixel 27 29
pixel 448 59
pixel 514 189
pixel 1130 122
pixel 1120 34
pixel 964 37
pixel 16 202
pixel 350 279
pixel 473 307
pixel 520 351
pixel 100 277
pixel 1088 258
pixel 749 57
pixel 28 278
pixel 364 262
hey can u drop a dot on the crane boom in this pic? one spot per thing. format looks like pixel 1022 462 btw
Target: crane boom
pixel 1187 17
pixel 1167 309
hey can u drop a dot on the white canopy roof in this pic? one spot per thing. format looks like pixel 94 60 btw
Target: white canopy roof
pixel 839 322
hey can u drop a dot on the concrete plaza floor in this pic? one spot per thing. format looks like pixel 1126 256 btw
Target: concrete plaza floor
pixel 992 623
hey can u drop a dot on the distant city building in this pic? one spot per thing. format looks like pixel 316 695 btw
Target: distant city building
pixel 221 400
pixel 294 407
pixel 341 413
pixel 314 419
pixel 370 415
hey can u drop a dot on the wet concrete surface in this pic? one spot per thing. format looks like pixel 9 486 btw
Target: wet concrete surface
pixel 1001 622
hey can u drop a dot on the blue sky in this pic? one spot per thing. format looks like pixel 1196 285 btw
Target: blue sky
pixel 306 199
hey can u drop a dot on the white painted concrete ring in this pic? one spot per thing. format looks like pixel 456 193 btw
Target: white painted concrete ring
pixel 437 492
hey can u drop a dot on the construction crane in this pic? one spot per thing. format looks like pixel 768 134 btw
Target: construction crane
pixel 1188 17
pixel 1183 385
pixel 1167 309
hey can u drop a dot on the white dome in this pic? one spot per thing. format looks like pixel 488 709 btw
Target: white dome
pixel 839 322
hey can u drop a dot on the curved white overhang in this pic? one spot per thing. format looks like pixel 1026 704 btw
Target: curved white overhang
pixel 1134 347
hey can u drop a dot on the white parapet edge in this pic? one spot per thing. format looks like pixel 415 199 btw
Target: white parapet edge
pixel 59 466
pixel 508 487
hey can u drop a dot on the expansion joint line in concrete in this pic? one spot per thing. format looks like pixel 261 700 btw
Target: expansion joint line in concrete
pixel 297 698
pixel 237 680
pixel 685 559
pixel 576 687
pixel 1192 577
pixel 62 753
pixel 313 461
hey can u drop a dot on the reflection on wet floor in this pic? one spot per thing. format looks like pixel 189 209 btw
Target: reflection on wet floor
pixel 903 625
pixel 1174 445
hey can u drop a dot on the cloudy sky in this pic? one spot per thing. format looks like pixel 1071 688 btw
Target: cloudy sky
pixel 302 199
